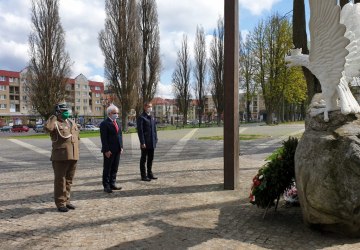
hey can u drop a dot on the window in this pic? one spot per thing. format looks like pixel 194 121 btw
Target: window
pixel 2 87
pixel 97 95
pixel 98 108
pixel 77 107
pixel 77 100
pixel 85 87
pixel 77 86
pixel 85 101
pixel 97 88
pixel 2 106
pixel 11 79
pixel 24 98
pixel 2 97
pixel 98 102
pixel 2 78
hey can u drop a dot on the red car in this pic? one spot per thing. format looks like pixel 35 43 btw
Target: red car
pixel 20 128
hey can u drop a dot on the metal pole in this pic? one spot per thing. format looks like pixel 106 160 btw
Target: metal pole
pixel 231 92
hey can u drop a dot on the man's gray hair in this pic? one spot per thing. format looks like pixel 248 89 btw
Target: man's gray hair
pixel 111 108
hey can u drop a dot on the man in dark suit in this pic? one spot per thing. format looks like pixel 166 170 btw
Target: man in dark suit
pixel 146 128
pixel 112 147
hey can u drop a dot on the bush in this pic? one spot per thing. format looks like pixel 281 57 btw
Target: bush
pixel 275 176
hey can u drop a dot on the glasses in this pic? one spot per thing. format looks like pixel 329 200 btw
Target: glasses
pixel 114 113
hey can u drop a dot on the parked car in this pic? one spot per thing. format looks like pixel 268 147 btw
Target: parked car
pixel 132 124
pixel 5 129
pixel 20 128
pixel 39 128
pixel 90 127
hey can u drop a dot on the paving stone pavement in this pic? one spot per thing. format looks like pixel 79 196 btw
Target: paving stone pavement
pixel 186 208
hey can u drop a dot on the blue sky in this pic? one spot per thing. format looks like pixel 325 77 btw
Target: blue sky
pixel 83 19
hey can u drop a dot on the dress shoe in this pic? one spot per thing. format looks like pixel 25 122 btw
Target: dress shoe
pixel 151 177
pixel 70 206
pixel 145 179
pixel 108 190
pixel 116 188
pixel 63 209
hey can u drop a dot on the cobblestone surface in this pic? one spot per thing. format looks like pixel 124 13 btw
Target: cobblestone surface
pixel 186 208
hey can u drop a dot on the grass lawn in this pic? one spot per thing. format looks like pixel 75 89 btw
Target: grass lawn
pixel 241 137
pixel 83 134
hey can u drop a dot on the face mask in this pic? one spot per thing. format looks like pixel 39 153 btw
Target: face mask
pixel 114 116
pixel 65 115
pixel 148 110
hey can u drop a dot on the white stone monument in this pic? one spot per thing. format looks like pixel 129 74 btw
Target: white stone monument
pixel 334 53
pixel 327 158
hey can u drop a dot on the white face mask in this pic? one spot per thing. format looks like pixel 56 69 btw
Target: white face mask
pixel 114 116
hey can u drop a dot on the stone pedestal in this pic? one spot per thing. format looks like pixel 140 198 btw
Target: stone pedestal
pixel 327 170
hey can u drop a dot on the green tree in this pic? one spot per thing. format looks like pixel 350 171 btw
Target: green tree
pixel 295 94
pixel 270 42
pixel 49 66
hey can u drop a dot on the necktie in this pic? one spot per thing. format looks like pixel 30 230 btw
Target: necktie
pixel 116 126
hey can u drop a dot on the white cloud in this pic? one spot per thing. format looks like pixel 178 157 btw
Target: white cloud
pixel 258 6
pixel 82 21
pixel 164 91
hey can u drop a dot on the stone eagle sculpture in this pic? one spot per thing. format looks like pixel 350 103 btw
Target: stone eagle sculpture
pixel 334 53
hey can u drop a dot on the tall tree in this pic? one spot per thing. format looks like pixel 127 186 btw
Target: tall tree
pixel 150 42
pixel 181 79
pixel 271 40
pixel 295 94
pixel 258 50
pixel 119 42
pixel 200 69
pixel 247 71
pixel 49 66
pixel 300 41
pixel 217 68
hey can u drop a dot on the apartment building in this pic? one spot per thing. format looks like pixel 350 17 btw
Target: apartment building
pixel 83 95
pixel 164 109
pixel 257 108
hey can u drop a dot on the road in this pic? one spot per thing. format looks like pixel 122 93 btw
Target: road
pixel 174 145
pixel 186 208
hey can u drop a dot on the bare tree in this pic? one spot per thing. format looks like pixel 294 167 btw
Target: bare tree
pixel 49 66
pixel 300 41
pixel 150 67
pixel 200 69
pixel 181 79
pixel 217 68
pixel 119 42
pixel 356 1
pixel 247 71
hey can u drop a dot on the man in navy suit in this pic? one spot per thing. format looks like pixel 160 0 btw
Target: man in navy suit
pixel 112 147
pixel 146 128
